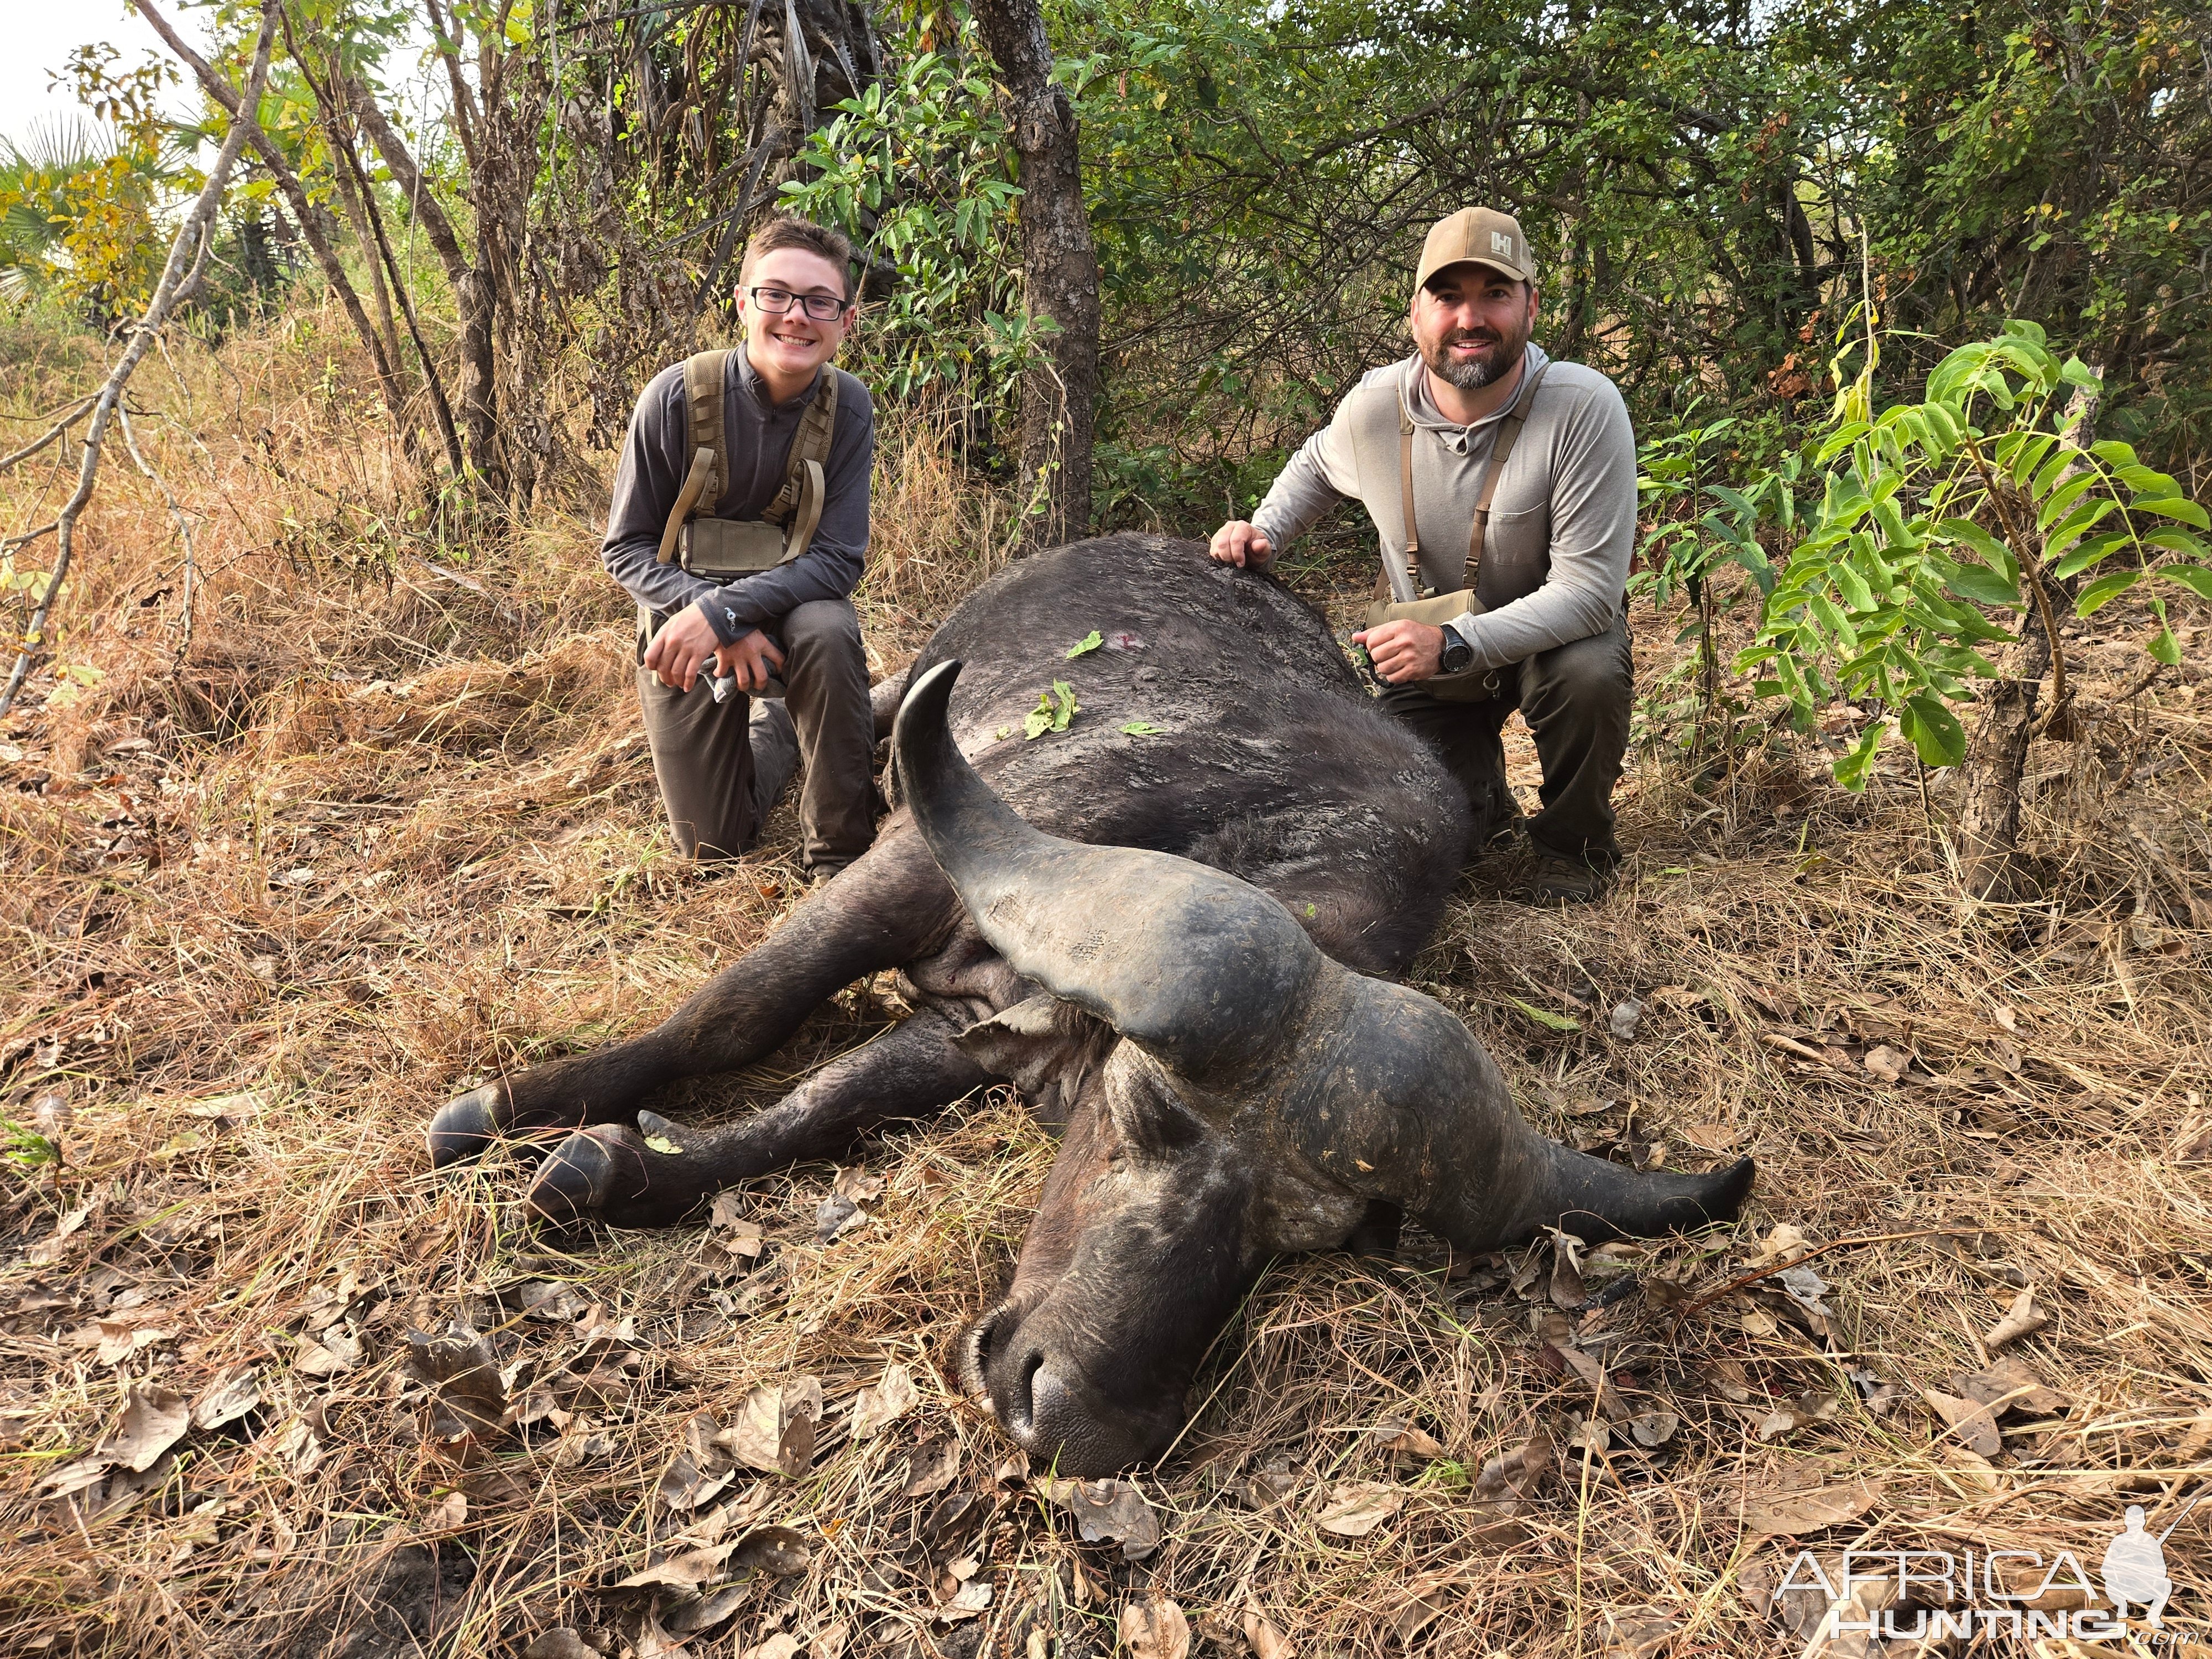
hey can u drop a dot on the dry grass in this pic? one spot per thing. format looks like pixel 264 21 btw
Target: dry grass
pixel 384 832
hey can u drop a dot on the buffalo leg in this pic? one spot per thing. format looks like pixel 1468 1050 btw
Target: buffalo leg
pixel 658 1172
pixel 879 913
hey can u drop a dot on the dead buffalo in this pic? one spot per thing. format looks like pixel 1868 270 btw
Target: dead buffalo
pixel 1178 942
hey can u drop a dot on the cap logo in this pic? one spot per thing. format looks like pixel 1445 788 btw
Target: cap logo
pixel 1501 243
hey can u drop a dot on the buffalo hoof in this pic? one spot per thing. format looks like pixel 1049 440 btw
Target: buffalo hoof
pixel 641 1177
pixel 571 1187
pixel 465 1126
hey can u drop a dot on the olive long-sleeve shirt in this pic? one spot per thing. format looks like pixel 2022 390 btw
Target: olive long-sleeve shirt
pixel 757 436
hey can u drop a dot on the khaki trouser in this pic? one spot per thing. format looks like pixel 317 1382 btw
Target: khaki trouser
pixel 1575 698
pixel 722 765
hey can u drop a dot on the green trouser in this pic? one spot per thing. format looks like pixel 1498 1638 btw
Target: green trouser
pixel 722 765
pixel 1575 698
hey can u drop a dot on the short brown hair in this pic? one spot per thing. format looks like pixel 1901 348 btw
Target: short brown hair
pixel 786 231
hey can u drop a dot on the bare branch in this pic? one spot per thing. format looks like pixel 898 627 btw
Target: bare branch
pixel 187 259
pixel 51 434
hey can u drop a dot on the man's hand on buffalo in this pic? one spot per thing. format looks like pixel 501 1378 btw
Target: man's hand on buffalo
pixel 1242 543
pixel 1404 651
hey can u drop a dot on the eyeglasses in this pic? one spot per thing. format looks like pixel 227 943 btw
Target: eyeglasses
pixel 821 307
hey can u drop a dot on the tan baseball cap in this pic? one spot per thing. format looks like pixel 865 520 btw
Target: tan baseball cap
pixel 1482 235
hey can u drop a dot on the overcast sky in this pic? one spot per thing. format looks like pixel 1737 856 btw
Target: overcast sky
pixel 37 36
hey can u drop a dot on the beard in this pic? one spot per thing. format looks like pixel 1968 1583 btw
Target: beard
pixel 1475 374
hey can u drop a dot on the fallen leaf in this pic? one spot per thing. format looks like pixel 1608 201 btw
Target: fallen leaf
pixel 729 1211
pixel 1267 1642
pixel 1090 641
pixel 2023 1319
pixel 447 1513
pixel 1799 1505
pixel 2009 1385
pixel 782 1645
pixel 1416 1616
pixel 154 1420
pixel 327 1356
pixel 1625 1019
pixel 560 1642
pixel 1713 1136
pixel 857 1184
pixel 1356 1508
pixel 1653 1429
pixel 876 1408
pixel 228 1398
pixel 1638 1635
pixel 1142 729
pixel 1550 1021
pixel 972 1598
pixel 119 1338
pixel 1505 1480
pixel 1969 1420
pixel 831 1643
pixel 932 1468
pixel 466 1396
pixel 1402 1440
pixel 1802 1412
pixel 1586 1367
pixel 1887 1063
pixel 700 1468
pixel 685 1569
pixel 1112 1509
pixel 75 1477
pixel 774 1427
pixel 1783 1242
pixel 1567 1290
pixel 1155 1628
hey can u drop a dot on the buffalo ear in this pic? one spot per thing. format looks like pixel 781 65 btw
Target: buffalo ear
pixel 1048 1049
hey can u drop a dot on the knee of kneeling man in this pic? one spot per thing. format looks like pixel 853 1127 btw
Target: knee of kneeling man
pixel 821 624
pixel 1587 672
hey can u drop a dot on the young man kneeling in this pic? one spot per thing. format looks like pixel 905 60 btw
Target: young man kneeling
pixel 739 525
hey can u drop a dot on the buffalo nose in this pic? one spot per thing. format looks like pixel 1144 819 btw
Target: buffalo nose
pixel 1017 1399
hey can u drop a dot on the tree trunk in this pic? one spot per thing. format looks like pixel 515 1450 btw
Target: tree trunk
pixel 475 294
pixel 1062 270
pixel 1996 754
pixel 1996 758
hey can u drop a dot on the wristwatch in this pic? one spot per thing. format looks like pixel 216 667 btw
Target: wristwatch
pixel 1458 653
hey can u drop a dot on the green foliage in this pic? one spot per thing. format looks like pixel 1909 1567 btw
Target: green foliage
pixel 27 1149
pixel 1088 643
pixel 1055 709
pixel 918 169
pixel 1934 514
pixel 80 201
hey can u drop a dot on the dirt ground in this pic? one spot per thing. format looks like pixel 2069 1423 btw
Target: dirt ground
pixel 267 1387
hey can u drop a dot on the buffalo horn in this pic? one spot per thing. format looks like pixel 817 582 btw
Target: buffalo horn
pixel 1201 969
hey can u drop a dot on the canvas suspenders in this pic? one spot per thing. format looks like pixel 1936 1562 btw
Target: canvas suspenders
pixel 1406 583
pixel 704 545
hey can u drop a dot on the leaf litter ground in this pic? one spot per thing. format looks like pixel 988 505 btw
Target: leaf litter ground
pixel 268 1388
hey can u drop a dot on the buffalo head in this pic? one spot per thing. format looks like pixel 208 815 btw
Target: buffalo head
pixel 1231 1093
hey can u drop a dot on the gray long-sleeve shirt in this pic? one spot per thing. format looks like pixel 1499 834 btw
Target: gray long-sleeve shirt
pixel 758 436
pixel 1574 468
